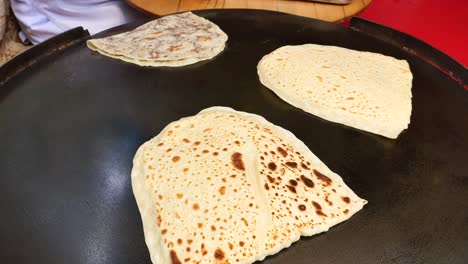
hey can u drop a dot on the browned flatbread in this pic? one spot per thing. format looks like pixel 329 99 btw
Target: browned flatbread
pixel 230 187
pixel 173 40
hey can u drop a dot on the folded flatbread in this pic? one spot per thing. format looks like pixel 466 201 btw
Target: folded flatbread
pixel 230 187
pixel 174 40
pixel 365 90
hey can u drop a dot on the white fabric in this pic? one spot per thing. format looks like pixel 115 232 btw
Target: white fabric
pixel 43 19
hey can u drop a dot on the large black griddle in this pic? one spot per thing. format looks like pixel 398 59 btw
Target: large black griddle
pixel 71 121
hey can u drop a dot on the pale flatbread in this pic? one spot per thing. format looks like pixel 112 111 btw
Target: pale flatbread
pixel 365 90
pixel 230 187
pixel 174 63
pixel 173 40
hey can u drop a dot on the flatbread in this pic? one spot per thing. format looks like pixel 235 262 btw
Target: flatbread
pixel 365 90
pixel 225 186
pixel 173 40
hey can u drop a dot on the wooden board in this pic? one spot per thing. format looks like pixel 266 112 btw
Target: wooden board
pixel 327 12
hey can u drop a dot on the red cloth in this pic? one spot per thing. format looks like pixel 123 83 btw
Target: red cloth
pixel 441 23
